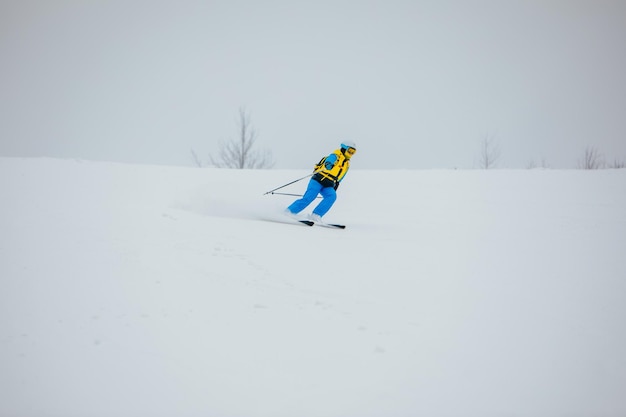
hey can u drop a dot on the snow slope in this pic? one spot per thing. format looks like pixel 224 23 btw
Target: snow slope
pixel 162 291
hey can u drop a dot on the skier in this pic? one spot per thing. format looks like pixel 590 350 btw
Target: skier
pixel 326 178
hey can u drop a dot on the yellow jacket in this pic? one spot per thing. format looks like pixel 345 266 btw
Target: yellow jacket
pixel 331 169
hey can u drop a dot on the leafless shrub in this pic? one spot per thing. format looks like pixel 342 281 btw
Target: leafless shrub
pixel 592 159
pixel 533 164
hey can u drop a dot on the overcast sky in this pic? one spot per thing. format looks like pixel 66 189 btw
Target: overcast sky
pixel 416 84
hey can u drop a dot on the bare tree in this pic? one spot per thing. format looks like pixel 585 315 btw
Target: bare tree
pixel 489 153
pixel 239 153
pixel 592 159
pixel 617 164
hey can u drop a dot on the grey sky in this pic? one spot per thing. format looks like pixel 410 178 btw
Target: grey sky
pixel 416 84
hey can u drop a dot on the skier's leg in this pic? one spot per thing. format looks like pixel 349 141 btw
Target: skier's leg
pixel 313 189
pixel 329 196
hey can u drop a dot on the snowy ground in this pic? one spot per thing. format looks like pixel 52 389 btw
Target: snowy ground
pixel 159 291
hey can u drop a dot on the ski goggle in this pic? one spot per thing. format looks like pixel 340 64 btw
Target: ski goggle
pixel 350 151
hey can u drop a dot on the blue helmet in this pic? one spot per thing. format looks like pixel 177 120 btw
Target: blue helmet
pixel 348 144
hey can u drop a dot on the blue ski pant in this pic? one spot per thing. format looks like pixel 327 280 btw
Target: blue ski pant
pixel 313 189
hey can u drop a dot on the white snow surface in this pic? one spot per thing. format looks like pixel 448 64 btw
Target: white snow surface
pixel 130 290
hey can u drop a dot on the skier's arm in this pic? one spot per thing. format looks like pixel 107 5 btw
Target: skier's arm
pixel 330 162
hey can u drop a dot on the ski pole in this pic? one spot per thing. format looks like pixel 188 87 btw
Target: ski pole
pixel 294 195
pixel 283 186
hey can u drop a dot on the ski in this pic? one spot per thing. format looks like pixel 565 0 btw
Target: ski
pixel 302 222
pixel 309 222
pixel 332 225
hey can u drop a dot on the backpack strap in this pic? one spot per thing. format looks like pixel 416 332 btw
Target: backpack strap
pixel 320 164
